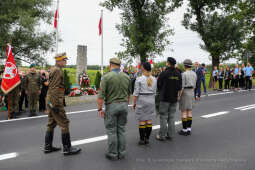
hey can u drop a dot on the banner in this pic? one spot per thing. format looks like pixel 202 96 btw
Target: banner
pixel 10 78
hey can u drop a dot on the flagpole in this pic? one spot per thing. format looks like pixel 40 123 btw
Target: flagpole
pixel 57 27
pixel 102 44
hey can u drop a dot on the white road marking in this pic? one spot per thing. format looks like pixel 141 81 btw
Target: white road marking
pixel 215 114
pixel 37 117
pixel 243 107
pixel 104 137
pixel 92 110
pixel 248 108
pixel 8 156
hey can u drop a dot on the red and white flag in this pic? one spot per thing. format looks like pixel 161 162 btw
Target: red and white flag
pixel 10 78
pixel 100 26
pixel 151 61
pixel 56 19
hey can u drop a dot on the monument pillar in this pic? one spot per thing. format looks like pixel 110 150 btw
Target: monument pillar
pixel 81 62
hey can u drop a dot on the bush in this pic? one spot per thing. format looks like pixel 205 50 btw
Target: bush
pixel 67 82
pixel 98 80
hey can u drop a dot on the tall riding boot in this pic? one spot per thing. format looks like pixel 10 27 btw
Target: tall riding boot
pixel 48 148
pixel 67 146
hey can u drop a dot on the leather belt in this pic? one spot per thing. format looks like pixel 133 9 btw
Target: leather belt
pixel 114 102
pixel 146 94
pixel 188 87
pixel 61 89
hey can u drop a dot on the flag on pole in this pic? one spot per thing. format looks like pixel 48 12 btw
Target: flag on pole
pixel 100 26
pixel 151 61
pixel 10 78
pixel 56 19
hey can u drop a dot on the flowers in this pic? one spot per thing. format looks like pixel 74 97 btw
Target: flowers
pixel 82 92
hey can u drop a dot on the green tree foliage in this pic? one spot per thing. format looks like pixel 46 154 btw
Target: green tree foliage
pixel 67 82
pixel 221 33
pixel 98 80
pixel 20 22
pixel 143 26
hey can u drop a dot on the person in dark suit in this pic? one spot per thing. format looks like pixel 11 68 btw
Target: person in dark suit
pixel 198 70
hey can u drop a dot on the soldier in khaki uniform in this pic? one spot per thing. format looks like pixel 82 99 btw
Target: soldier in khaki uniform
pixel 33 89
pixel 14 101
pixel 115 92
pixel 57 114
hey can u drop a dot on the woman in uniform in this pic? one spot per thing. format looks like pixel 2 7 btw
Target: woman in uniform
pixel 189 79
pixel 144 102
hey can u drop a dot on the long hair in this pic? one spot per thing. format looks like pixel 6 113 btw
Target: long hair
pixel 147 72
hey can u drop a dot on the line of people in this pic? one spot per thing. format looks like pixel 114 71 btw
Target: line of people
pixel 235 77
pixel 171 87
pixel 32 89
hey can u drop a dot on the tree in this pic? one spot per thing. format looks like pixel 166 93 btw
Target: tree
pixel 143 26
pixel 221 33
pixel 20 22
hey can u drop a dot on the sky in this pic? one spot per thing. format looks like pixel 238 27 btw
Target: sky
pixel 78 25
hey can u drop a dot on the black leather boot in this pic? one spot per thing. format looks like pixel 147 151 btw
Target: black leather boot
pixel 67 146
pixel 13 115
pixel 48 148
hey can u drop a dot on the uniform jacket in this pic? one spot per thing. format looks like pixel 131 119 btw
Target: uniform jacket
pixel 32 82
pixel 56 91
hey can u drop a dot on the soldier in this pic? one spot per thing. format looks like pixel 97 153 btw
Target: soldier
pixel 13 98
pixel 57 114
pixel 169 86
pixel 33 89
pixel 115 92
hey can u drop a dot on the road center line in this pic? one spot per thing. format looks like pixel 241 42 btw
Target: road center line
pixel 215 114
pixel 243 107
pixel 248 108
pixel 8 156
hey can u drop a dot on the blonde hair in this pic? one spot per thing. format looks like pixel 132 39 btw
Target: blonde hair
pixel 149 79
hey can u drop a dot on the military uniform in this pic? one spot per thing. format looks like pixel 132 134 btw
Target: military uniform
pixel 115 90
pixel 57 114
pixel 14 101
pixel 33 86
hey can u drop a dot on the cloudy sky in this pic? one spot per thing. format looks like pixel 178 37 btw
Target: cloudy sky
pixel 78 25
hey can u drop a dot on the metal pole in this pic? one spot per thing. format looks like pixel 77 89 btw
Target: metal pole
pixel 102 44
pixel 57 27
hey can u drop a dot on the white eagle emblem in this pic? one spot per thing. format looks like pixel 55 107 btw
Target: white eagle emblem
pixel 10 71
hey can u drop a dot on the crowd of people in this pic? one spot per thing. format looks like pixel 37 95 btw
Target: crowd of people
pixel 26 96
pixel 160 91
pixel 236 77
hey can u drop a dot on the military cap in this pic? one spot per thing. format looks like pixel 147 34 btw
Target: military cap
pixel 187 63
pixel 32 65
pixel 115 61
pixel 61 56
pixel 171 60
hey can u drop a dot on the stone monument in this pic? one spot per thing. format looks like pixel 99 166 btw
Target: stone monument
pixel 81 62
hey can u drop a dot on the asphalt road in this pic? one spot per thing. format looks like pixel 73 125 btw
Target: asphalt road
pixel 223 137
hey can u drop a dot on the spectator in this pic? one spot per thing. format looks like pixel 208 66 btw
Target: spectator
pixel 227 77
pixel 204 70
pixel 42 100
pixel 221 77
pixel 236 77
pixel 248 76
pixel 199 74
pixel 215 77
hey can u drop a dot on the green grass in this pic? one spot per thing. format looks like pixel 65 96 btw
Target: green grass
pixel 72 75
